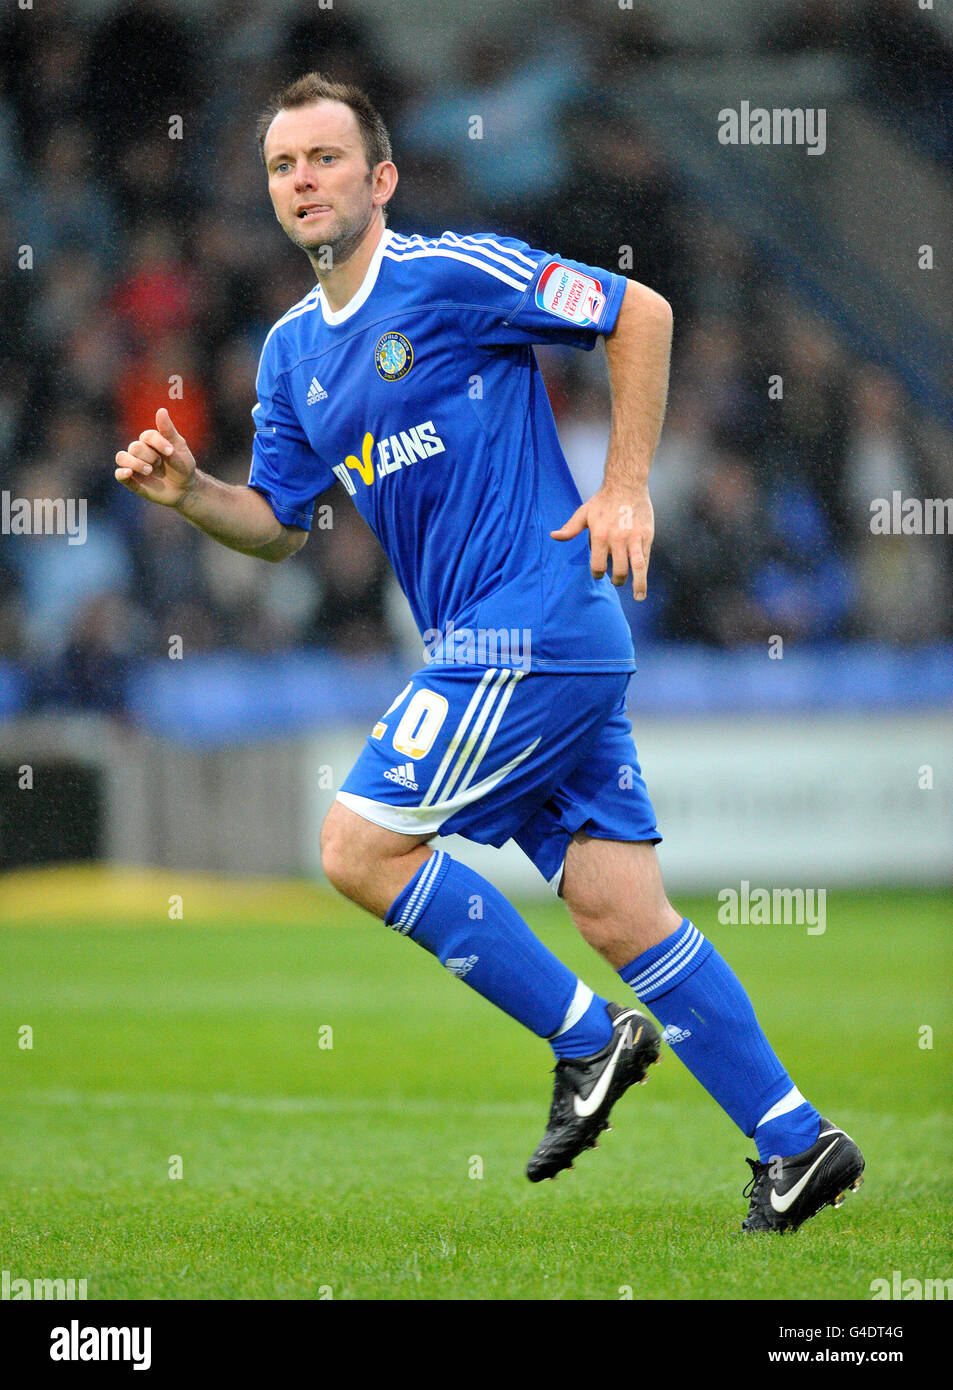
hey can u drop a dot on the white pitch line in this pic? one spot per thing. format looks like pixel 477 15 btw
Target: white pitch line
pixel 271 1105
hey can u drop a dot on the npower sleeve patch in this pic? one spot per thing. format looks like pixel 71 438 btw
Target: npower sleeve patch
pixel 569 294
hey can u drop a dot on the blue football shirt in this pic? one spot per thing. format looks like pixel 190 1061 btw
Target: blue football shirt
pixel 423 396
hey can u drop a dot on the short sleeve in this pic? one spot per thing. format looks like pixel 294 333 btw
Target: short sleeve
pixel 530 296
pixel 568 302
pixel 285 469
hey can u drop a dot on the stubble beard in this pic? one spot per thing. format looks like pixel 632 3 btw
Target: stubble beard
pixel 337 247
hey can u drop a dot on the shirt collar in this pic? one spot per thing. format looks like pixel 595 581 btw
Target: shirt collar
pixel 336 316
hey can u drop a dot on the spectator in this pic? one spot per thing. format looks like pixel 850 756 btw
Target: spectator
pixel 150 259
pixel 142 62
pixel 56 578
pixel 723 548
pixel 165 373
pixel 500 123
pixel 156 294
pixel 92 670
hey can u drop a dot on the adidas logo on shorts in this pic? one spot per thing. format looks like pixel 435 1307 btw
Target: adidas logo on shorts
pixel 403 776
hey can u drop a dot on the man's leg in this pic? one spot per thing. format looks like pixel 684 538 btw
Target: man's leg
pixel 459 917
pixel 367 863
pixel 614 892
pixel 615 895
pixel 464 921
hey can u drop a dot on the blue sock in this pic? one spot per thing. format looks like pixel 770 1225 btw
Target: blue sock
pixel 465 922
pixel 789 1127
pixel 586 1028
pixel 709 1022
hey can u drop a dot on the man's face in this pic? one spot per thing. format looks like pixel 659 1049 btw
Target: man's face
pixel 318 178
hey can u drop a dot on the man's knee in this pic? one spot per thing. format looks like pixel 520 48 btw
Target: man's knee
pixel 367 862
pixel 341 855
pixel 614 890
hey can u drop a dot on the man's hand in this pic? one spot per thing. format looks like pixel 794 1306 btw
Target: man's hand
pixel 158 465
pixel 621 525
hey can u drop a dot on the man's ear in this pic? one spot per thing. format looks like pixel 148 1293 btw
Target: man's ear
pixel 388 163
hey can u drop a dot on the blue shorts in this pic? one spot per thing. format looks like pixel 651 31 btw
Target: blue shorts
pixel 495 754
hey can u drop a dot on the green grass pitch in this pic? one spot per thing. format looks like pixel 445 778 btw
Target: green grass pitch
pixel 352 1122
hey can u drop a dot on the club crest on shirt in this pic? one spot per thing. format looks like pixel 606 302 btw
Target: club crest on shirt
pixel 393 356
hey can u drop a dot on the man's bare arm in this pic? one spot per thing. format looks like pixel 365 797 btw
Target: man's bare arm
pixel 638 350
pixel 619 516
pixel 159 466
pixel 240 518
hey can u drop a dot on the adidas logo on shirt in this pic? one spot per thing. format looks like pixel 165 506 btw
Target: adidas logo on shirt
pixel 671 1034
pixel 403 776
pixel 316 392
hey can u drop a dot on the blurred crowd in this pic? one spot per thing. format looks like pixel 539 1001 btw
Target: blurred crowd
pixel 154 258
